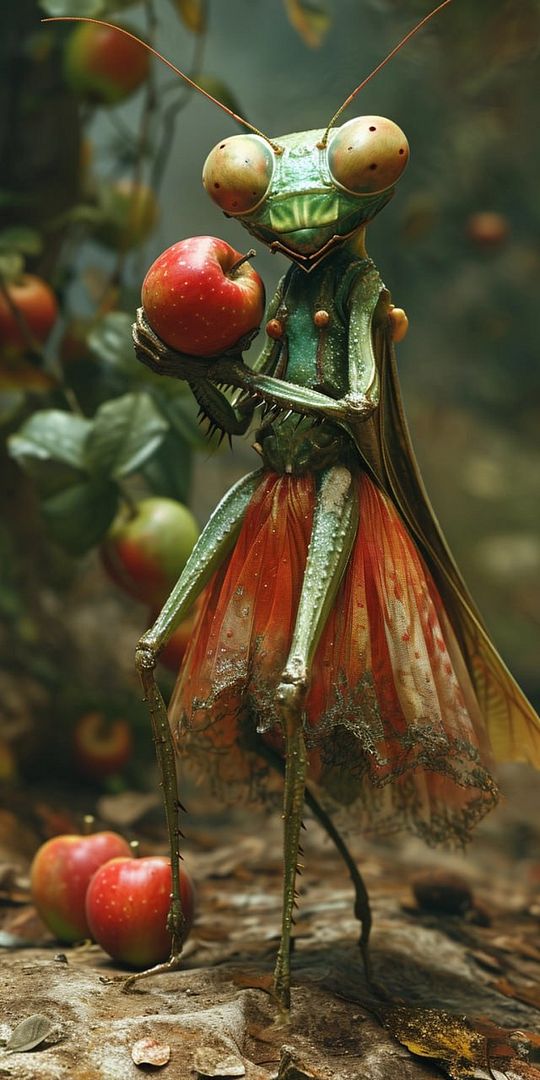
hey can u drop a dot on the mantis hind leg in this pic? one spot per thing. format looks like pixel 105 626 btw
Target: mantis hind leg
pixel 362 908
pixel 212 547
pixel 335 525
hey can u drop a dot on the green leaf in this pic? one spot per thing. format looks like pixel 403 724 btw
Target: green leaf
pixel 79 516
pixel 21 238
pixel 51 435
pixel 13 198
pixel 111 341
pixel 220 91
pixel 11 265
pixel 310 20
pixel 67 7
pixel 180 413
pixel 50 449
pixel 192 14
pixel 110 6
pixel 92 8
pixel 169 471
pixel 125 433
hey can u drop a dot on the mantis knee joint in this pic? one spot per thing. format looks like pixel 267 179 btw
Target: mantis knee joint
pixel 145 656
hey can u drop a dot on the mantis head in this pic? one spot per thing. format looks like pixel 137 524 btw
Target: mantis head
pixel 306 193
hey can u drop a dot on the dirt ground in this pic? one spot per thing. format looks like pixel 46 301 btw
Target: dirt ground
pixel 457 995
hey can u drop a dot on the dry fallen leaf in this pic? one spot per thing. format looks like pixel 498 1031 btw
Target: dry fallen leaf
pixel 430 1033
pixel 126 808
pixel 29 1033
pixel 529 995
pixel 209 1062
pixel 150 1052
pixel 252 981
pixel 462 1048
pixel 192 13
pixel 291 1069
pixel 309 19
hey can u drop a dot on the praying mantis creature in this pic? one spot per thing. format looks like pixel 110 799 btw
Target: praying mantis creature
pixel 336 640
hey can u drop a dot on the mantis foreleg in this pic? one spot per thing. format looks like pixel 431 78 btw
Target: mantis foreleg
pixel 259 387
pixel 334 529
pixel 211 548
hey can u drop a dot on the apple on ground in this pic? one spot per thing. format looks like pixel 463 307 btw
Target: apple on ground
pixel 146 550
pixel 101 747
pixel 201 296
pixel 102 65
pixel 32 312
pixel 127 905
pixel 60 874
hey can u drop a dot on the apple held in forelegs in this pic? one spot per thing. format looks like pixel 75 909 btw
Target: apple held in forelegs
pixel 201 296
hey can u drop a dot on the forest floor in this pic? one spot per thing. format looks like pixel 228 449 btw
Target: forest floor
pixel 458 995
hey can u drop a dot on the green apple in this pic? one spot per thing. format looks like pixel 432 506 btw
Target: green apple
pixel 145 551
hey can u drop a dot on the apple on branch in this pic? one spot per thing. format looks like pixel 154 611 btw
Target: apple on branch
pixel 148 546
pixel 101 746
pixel 28 311
pixel 103 66
pixel 201 296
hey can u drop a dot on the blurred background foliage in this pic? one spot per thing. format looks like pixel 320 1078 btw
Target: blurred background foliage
pixel 91 192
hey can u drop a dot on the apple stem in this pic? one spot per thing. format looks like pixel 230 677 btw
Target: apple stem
pixel 236 266
pixel 135 848
pixel 89 822
pixel 128 500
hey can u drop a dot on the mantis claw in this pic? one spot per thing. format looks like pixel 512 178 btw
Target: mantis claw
pixel 155 354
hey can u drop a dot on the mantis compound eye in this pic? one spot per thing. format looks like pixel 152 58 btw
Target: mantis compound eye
pixel 237 173
pixel 367 155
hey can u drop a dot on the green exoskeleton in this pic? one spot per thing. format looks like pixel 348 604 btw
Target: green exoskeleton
pixel 336 640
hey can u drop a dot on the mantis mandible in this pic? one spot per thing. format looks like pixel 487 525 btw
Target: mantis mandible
pixel 336 640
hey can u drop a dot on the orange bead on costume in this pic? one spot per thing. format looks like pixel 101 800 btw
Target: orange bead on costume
pixel 392 719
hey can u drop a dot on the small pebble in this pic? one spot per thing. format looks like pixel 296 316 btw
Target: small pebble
pixel 442 891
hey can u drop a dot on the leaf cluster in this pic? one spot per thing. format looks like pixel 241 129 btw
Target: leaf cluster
pixel 78 464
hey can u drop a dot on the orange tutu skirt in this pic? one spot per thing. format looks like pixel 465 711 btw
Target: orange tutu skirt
pixel 392 723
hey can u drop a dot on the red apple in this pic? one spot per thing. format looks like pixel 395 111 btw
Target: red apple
pixel 145 552
pixel 488 229
pixel 60 875
pixel 37 304
pixel 101 747
pixel 130 211
pixel 102 65
pixel 127 905
pixel 198 300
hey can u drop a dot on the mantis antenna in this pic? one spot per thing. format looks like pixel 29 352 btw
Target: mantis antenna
pixel 169 64
pixel 376 70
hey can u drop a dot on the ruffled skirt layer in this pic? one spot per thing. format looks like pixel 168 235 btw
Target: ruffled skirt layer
pixel 392 723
